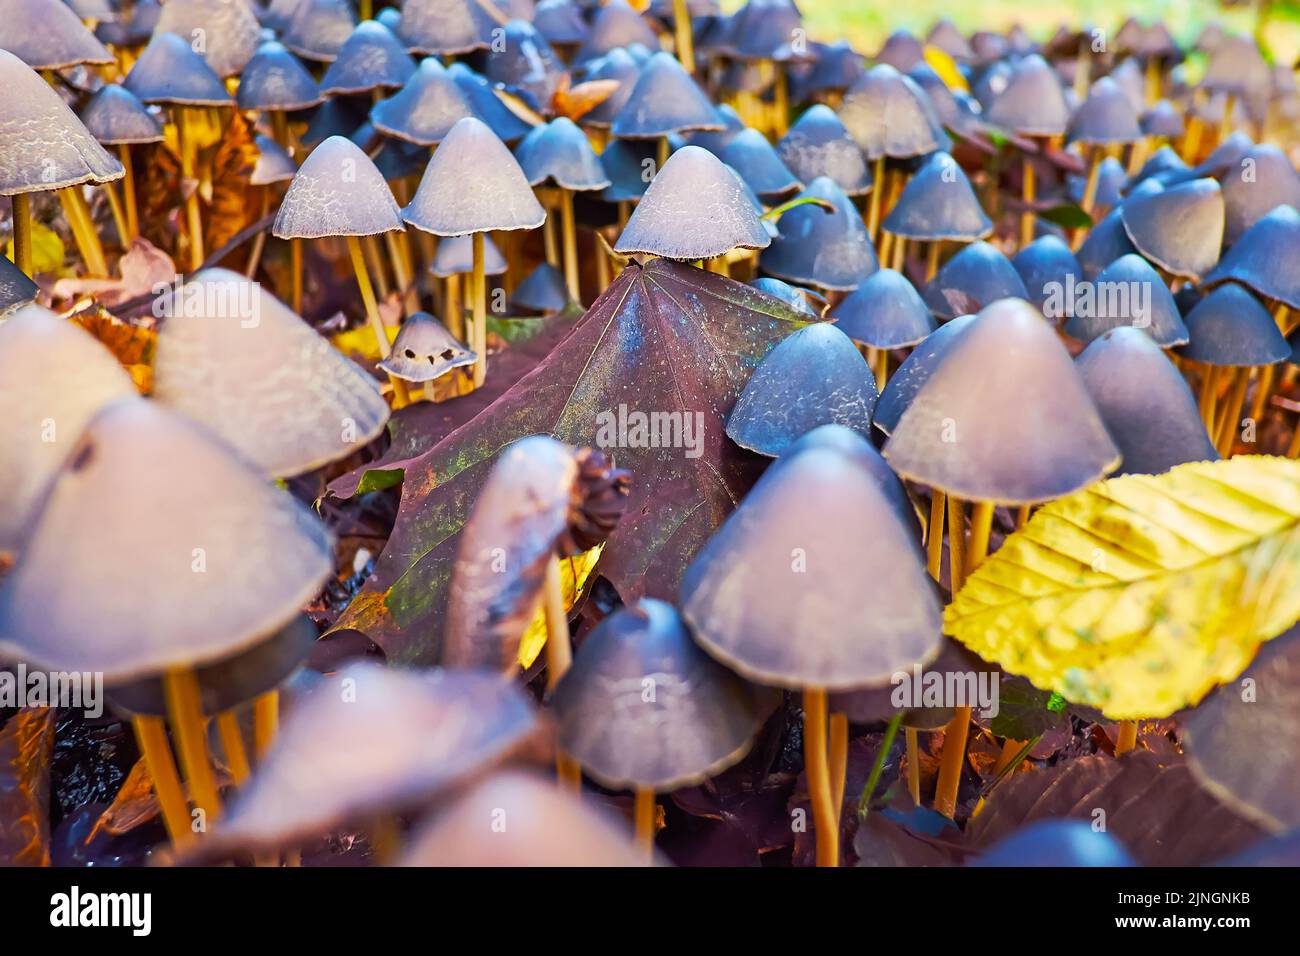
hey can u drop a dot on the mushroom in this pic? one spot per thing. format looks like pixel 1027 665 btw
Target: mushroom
pixel 542 290
pixel 1158 316
pixel 425 109
pixel 885 312
pixel 803 300
pixel 615 25
pixel 48 35
pixel 455 258
pixel 275 83
pixel 1047 264
pixel 1105 122
pixel 750 154
pixel 228 29
pixel 822 243
pixel 1179 228
pixel 115 117
pixel 1256 261
pixel 371 59
pixel 445 27
pixel 818 144
pixel 664 101
pixel 424 351
pixel 644 709
pixel 317 29
pixel 1273 182
pixel 975 277
pixel 937 205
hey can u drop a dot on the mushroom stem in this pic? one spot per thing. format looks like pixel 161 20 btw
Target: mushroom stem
pixel 950 763
pixel 259 241
pixel 1128 736
pixel 266 719
pixel 232 743
pixel 661 153
pixel 873 207
pixel 189 186
pixel 934 534
pixel 570 234
pixel 900 253
pixel 817 768
pixel 375 265
pixel 838 758
pixel 932 259
pixel 684 41
pixel 1022 516
pixel 1009 750
pixel 22 215
pixel 295 271
pixel 1083 69
pixel 151 736
pixel 368 296
pixel 1281 315
pixel 913 765
pixel 602 269
pixel 878 360
pixel 981 526
pixel 1232 411
pixel 644 813
pixel 119 215
pixel 1028 192
pixel 1209 376
pixel 559 656
pixel 624 211
pixel 181 689
pixel 479 287
pixel 453 313
pixel 402 273
pixel 83 230
pixel 781 101
pixel 1293 450
pixel 128 193
pixel 1094 178
pixel 956 543
pixel 1264 379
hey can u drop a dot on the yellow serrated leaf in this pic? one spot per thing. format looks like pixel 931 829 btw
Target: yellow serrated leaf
pixel 1140 594
pixel 573 578
pixel 946 67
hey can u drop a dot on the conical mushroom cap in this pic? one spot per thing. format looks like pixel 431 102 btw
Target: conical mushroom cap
pixel 169 71
pixel 1107 242
pixel 232 356
pixel 752 156
pixel 273 164
pixel 818 144
pixel 424 350
pixel 229 29
pixel 1179 228
pixel 114 116
pixel 816 376
pixel 793 593
pixel 383 739
pixel 319 28
pixel 830 250
pixel 715 139
pixel 1128 292
pixel 1032 434
pixel 889 115
pixel 133 27
pixel 43 145
pixel 542 290
pixel 455 256
pixel 1273 181
pixel 1165 166
pixel 1163 120
pixel 274 79
pixel 761 28
pixel 615 25
pixel 1144 402
pixel 1112 177
pixel 443 27
pixel 16 287
pixel 1236 67
pixel 1046 265
pixel 53 378
pixel 700 720
pixel 1226 155
pixel 561 22
pixel 524 65
pixel 901 50
pixel 47 35
pixel 695 208
pixel 945 35
pixel 624 163
pixel 1231 327
pixel 547 827
pixel 616 65
pixel 1256 260
pixel 561 152
pixel 337 192
pixel 1032 103
pixel 1105 117
pixel 425 109
pixel 180 497
pixel 1056 843
pixel 665 100
pixel 938 203
pixel 473 184
pixel 885 312
pixel 975 277
pixel 487 105
pixel 914 372
pixel 799 299
pixel 337 117
pixel 372 58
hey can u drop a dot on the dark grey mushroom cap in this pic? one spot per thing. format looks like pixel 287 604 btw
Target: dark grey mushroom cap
pixel 617 65
pixel 945 35
pixel 914 372
pixel 818 144
pixel 975 277
pixel 815 376
pixel 273 165
pixel 643 707
pixel 524 65
pixel 560 152
pixel 876 704
pixel 889 115
pixel 628 164
pixel 1129 292
pixel 1179 228
pixel 542 290
pixel 424 350
pixel 1046 266
pixel 1231 327
pixel 425 109
pixel 885 312
pixel 275 79
pixel 938 203
pixel 48 35
pixel 1033 434
pixel 665 100
pixel 487 105
pixel 1165 166
pixel 792 593
pixel 1259 181
pixel 229 29
pixel 169 71
pixel 1107 242
pixel 337 192
pixel 827 249
pixel 806 301
pixel 1033 102
pixel 16 287
pixel 1144 402
pixel 455 256
pixel 715 139
pixel 615 25
pixel 473 184
pixel 561 22
pixel 752 156
pixel 1163 120
pixel 1260 259
pixel 115 116
pixel 1112 177
pixel 371 58
pixel 1236 67
pixel 1105 117
pixel 695 208
pixel 341 116
pixel 318 29
pixel 443 27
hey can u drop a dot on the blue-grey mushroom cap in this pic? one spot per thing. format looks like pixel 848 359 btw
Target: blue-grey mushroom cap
pixel 1179 228
pixel 714 140
pixel 945 35
pixel 1129 292
pixel 524 64
pixel 1259 181
pixel 615 25
pixel 1165 166
pixel 1046 266
pixel 445 27
pixel 938 203
pixel 337 192
pixel 818 144
pixel 700 719
pixel 1229 153
pixel 229 29
pixel 1231 327
pixel 542 290
pixel 16 287
pixel 1056 843
pixel 455 256
pixel 1259 259
pixel 318 29
pixel 115 116
pixel 885 312
pixel 889 115
pixel 914 372
pixel 425 109
pixel 975 277
pixel 273 165
pixel 487 105
pixel 1144 401
pixel 424 351
pixel 275 79
pixel 559 152
pixel 830 250
pixel 1106 242
pixel 371 58
pixel 807 301
pixel 1163 120
pixel 752 156
pixel 1105 117
pixel 48 35
pixel 617 65
pixel 629 166
pixel 815 376
pixel 837 68
pixel 664 100
pixel 1112 177
pixel 169 71
pixel 561 22
pixel 1033 102
pixel 339 116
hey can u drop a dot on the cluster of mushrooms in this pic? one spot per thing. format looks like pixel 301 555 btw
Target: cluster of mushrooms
pixel 448 174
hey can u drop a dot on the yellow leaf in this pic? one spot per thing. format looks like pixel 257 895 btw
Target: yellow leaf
pixel 47 250
pixel 133 345
pixel 573 578
pixel 946 67
pixel 1140 594
pixel 360 342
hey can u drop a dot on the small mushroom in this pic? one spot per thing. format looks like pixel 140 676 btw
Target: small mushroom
pixel 229 29
pixel 937 205
pixel 1149 305
pixel 818 144
pixel 884 313
pixel 424 351
pixel 1256 259
pixel 829 249
pixel 1046 265
pixel 372 58
pixel 1179 228
pixel 445 27
pixel 664 101
pixel 317 29
pixel 975 277
pixel 48 35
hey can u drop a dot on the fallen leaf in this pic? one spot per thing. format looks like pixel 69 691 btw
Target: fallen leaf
pixel 26 746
